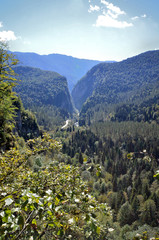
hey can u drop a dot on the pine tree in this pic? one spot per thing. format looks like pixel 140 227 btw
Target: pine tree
pixel 80 158
pixel 148 214
pixel 125 215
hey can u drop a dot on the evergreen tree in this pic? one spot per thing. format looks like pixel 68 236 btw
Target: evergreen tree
pixel 7 96
pixel 125 215
pixel 135 207
pixel 80 158
pixel 148 214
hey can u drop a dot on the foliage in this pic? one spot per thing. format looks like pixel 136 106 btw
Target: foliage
pixel 157 175
pixel 49 117
pixel 148 111
pixel 129 82
pixel 125 215
pixel 25 122
pixel 42 197
pixel 7 96
pixel 53 202
pixel 144 232
pixel 40 88
pixel 127 154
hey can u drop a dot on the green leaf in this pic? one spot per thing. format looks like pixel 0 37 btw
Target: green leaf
pixel 51 224
pixel 8 212
pixel 49 204
pixel 157 175
pixel 60 232
pixel 25 203
pixel 34 221
pixel 21 221
pixel 50 213
pixel 5 219
pixel 87 218
pixel 98 173
pixel 40 213
pixel 98 230
pixel 57 201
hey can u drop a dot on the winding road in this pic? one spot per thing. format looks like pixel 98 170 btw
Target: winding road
pixel 66 124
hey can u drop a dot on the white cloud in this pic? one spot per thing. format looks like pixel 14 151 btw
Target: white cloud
pixel 93 8
pixel 1 25
pixel 108 21
pixel 7 36
pixel 134 18
pixel 144 16
pixel 113 10
pixel 109 16
pixel 137 17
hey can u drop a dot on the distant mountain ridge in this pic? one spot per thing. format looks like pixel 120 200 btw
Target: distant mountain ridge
pixel 133 80
pixel 71 68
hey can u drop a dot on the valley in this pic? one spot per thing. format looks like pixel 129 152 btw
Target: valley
pixel 85 163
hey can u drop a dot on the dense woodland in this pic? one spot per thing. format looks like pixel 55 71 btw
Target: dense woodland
pixel 131 81
pixel 98 181
pixel 46 94
pixel 128 156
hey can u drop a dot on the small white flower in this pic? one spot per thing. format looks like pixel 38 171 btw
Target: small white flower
pixel 49 192
pixel 89 196
pixel 138 235
pixel 3 193
pixel 110 229
pixel 30 200
pixel 49 199
pixel 35 195
pixel 40 203
pixel 8 201
pixel 71 221
pixel 2 214
pixel 91 206
pixel 29 194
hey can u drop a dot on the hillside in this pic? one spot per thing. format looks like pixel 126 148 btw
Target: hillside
pixel 98 182
pixel 133 80
pixel 72 68
pixel 43 91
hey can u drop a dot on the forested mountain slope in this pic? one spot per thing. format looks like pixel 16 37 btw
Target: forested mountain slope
pixel 131 81
pixel 72 68
pixel 41 197
pixel 42 90
pixel 68 181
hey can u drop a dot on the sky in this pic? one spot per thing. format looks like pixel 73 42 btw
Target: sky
pixel 89 29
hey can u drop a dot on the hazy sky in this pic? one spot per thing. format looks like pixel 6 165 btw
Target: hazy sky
pixel 92 29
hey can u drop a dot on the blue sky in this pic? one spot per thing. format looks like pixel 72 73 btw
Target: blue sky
pixel 91 29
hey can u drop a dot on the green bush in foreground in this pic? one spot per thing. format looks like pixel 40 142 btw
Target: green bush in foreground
pixel 52 203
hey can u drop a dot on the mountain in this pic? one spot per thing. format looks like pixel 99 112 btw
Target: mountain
pixel 72 68
pixel 85 87
pixel 106 86
pixel 43 91
pixel 25 122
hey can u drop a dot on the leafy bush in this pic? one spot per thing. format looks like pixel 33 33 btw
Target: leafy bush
pixel 53 202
